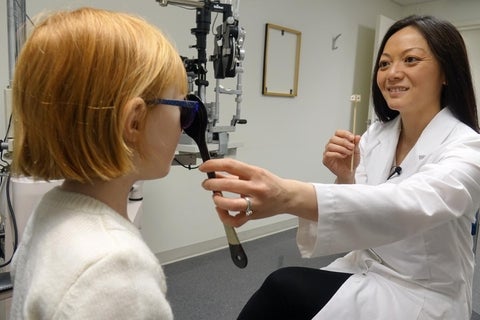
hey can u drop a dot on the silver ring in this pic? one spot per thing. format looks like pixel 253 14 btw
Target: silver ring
pixel 249 210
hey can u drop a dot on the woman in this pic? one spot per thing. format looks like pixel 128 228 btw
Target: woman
pixel 405 212
pixel 95 103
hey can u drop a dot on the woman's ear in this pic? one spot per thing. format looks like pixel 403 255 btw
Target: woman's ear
pixel 135 110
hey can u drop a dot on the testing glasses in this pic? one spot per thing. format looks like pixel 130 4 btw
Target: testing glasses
pixel 188 109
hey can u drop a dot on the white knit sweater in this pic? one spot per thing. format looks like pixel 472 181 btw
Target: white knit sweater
pixel 79 259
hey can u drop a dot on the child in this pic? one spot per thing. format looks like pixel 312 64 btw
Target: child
pixel 92 97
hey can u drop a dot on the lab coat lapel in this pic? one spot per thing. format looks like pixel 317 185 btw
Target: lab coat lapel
pixel 380 157
pixel 383 151
pixel 434 134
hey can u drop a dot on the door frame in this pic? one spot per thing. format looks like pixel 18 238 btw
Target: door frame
pixel 469 26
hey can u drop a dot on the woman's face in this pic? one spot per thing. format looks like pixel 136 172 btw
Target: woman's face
pixel 409 76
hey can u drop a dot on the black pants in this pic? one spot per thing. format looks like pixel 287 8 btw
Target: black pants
pixel 293 293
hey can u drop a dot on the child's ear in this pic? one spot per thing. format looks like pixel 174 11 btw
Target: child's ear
pixel 134 116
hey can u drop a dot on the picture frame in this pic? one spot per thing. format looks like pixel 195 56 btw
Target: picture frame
pixel 281 61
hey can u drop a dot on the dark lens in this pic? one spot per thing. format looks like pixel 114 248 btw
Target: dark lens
pixel 187 115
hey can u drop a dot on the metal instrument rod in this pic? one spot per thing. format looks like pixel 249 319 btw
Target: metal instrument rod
pixel 16 16
pixel 216 111
pixel 189 3
pixel 238 97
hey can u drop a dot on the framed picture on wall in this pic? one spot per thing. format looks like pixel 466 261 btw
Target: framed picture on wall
pixel 281 61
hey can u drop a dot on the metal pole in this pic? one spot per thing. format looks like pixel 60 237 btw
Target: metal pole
pixel 16 17
pixel 189 3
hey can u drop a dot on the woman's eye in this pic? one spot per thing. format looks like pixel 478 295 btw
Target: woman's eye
pixel 383 65
pixel 411 59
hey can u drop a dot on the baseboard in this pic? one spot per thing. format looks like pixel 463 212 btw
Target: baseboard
pixel 204 247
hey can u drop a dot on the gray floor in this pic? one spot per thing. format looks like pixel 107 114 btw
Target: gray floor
pixel 211 287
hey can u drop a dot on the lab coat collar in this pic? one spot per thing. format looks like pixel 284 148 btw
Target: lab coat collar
pixel 387 138
pixel 379 155
pixel 432 137
pixel 435 133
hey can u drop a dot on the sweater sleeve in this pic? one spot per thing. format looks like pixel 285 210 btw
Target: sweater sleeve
pixel 121 285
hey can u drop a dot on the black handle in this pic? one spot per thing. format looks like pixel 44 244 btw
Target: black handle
pixel 238 255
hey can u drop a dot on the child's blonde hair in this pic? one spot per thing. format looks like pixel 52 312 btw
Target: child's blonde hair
pixel 75 73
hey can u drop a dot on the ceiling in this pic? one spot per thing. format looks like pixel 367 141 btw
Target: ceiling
pixel 410 2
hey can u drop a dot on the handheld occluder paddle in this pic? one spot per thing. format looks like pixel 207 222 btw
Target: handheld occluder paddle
pixel 197 131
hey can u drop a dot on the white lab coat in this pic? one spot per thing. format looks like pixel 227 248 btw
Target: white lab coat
pixel 418 224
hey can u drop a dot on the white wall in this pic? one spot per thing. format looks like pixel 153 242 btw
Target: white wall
pixel 286 135
pixel 456 11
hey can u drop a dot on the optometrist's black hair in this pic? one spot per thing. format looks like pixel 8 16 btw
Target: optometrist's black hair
pixel 448 47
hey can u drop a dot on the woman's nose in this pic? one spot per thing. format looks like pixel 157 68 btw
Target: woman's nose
pixel 395 71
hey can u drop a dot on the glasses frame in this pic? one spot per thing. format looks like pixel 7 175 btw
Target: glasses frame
pixel 179 103
pixel 188 109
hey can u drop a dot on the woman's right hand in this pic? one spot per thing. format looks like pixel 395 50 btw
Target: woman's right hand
pixel 268 193
pixel 338 153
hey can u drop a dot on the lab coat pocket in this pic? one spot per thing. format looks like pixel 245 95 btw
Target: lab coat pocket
pixel 407 257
